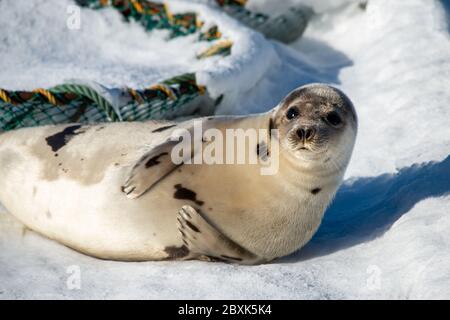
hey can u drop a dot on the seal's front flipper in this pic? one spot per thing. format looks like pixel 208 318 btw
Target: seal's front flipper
pixel 157 163
pixel 153 166
pixel 204 239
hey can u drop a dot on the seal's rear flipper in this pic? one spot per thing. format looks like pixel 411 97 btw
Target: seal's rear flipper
pixel 203 238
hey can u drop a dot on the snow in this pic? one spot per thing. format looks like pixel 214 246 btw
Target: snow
pixel 41 50
pixel 385 235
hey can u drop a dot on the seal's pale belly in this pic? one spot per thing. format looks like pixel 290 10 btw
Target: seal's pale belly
pixel 67 194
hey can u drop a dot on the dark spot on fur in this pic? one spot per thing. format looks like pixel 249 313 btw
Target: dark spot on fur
pixel 192 226
pixel 160 129
pixel 186 194
pixel 218 100
pixel 315 191
pixel 60 164
pixel 176 252
pixel 230 258
pixel 210 208
pixel 60 139
pixel 155 160
pixel 117 164
pixel 82 159
pixel 271 126
pixel 56 154
pixel 262 151
pixel 100 128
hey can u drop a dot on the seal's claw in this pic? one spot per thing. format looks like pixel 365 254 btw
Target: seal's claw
pixel 133 188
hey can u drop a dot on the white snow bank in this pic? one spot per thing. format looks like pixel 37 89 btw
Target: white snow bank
pixel 275 8
pixel 250 59
pixel 40 50
pixel 386 233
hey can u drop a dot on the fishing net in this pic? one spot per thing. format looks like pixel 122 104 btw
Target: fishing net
pixel 88 102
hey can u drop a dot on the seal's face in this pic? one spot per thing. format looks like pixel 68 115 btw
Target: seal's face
pixel 316 122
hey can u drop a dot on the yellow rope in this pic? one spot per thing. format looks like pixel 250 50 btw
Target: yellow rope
pixel 218 34
pixel 137 6
pixel 168 12
pixel 4 96
pixel 198 23
pixel 223 44
pixel 201 89
pixel 241 2
pixel 50 97
pixel 164 89
pixel 135 95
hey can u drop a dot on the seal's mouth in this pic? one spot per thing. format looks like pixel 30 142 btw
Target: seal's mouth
pixel 308 147
pixel 309 151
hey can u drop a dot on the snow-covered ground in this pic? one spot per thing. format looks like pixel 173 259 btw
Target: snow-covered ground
pixel 386 235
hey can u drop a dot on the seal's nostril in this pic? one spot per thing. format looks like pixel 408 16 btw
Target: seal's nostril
pixel 306 133
pixel 309 133
pixel 301 134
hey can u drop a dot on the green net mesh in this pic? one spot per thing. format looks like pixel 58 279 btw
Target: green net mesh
pixel 81 103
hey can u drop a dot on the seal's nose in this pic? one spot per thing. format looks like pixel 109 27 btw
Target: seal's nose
pixel 306 133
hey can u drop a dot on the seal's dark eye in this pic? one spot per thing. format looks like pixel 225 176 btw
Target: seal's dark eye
pixel 333 118
pixel 292 113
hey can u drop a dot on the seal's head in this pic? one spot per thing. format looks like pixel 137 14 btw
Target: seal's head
pixel 317 124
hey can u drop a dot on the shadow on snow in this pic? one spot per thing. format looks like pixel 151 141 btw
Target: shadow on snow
pixel 366 208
